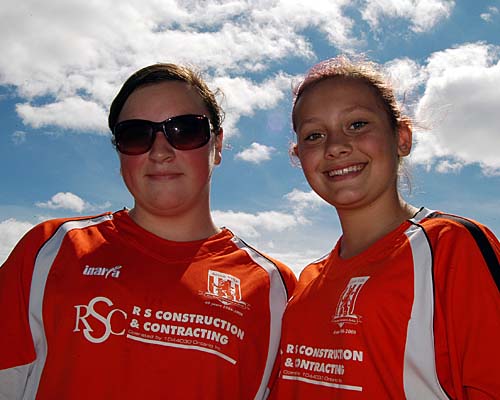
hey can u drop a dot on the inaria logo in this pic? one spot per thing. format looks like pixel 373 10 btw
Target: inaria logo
pixel 113 272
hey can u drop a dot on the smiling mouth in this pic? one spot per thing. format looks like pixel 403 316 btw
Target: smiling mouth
pixel 346 171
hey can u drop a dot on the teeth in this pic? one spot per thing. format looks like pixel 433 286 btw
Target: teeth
pixel 345 171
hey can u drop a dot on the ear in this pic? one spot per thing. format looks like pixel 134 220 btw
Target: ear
pixel 218 146
pixel 295 150
pixel 405 135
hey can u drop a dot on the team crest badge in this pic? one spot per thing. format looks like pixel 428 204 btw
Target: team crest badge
pixel 344 313
pixel 225 288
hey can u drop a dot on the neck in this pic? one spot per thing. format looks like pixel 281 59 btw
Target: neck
pixel 363 227
pixel 179 227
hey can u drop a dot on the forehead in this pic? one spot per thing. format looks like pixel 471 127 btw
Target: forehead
pixel 339 90
pixel 163 100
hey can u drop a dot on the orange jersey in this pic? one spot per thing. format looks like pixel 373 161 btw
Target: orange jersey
pixel 98 308
pixel 415 316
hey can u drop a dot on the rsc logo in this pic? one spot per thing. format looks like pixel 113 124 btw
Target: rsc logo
pixel 87 316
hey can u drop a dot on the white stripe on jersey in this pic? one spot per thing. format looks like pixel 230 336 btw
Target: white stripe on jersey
pixel 277 301
pixel 419 375
pixel 43 264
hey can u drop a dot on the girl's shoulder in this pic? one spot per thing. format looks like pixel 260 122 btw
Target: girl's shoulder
pixel 441 225
pixel 462 244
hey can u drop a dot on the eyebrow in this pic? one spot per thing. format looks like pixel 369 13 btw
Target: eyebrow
pixel 309 120
pixel 345 110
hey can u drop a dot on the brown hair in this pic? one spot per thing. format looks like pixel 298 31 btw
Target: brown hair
pixel 157 73
pixel 344 67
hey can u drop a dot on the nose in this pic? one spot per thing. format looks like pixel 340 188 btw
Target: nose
pixel 161 150
pixel 337 145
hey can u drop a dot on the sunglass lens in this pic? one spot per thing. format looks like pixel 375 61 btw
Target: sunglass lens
pixel 133 137
pixel 187 132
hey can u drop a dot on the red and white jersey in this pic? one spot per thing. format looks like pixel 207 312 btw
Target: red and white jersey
pixel 99 308
pixel 415 316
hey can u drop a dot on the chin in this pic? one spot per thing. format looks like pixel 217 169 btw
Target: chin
pixel 347 199
pixel 354 203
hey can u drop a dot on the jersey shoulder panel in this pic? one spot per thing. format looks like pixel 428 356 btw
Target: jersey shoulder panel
pixel 468 236
pixel 269 263
pixel 42 232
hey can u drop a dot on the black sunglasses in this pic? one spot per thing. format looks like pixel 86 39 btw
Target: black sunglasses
pixel 183 132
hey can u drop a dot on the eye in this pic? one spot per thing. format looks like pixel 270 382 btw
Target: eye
pixel 357 125
pixel 313 137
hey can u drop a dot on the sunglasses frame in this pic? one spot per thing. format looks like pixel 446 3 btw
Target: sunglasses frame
pixel 164 128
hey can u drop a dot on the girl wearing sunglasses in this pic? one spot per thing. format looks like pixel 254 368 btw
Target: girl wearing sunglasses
pixel 407 304
pixel 151 302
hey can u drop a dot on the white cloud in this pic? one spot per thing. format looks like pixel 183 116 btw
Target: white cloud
pixel 447 166
pixel 284 235
pixel 256 153
pixel 488 16
pixel 70 113
pixel 301 201
pixel 84 50
pixel 460 106
pixel 18 137
pixel 490 171
pixel 262 228
pixel 254 225
pixel 243 97
pixel 293 16
pixel 11 231
pixel 406 77
pixel 251 225
pixel 66 200
pixel 423 15
pixel 294 259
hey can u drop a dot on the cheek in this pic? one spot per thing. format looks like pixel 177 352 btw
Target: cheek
pixel 197 161
pixel 376 145
pixel 385 153
pixel 308 157
pixel 129 164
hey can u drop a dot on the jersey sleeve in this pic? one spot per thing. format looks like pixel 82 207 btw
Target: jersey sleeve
pixel 17 350
pixel 467 269
pixel 290 282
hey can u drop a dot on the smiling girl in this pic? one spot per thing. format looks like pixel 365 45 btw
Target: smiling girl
pixel 407 304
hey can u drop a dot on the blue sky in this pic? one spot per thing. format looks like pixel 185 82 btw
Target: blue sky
pixel 64 60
